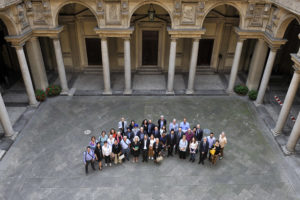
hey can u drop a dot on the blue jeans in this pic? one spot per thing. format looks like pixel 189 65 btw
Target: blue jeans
pixel 126 153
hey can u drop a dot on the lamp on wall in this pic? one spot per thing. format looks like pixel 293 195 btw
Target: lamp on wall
pixel 151 13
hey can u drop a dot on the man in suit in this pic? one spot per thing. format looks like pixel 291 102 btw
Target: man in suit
pixel 129 134
pixel 171 142
pixel 122 125
pixel 150 127
pixel 178 138
pixel 161 122
pixel 141 133
pixel 199 133
pixel 145 147
pixel 156 132
pixel 203 150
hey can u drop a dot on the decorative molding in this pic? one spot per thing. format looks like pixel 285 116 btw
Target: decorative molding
pixel 186 33
pixel 110 32
pixel 113 13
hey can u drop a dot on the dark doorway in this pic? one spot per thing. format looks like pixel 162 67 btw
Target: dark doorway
pixel 150 48
pixel 93 49
pixel 205 51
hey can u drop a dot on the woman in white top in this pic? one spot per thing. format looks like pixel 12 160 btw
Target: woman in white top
pixel 106 150
pixel 193 149
pixel 110 141
pixel 151 153
pixel 223 142
pixel 183 144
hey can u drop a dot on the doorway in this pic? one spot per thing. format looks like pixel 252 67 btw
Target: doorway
pixel 205 52
pixel 150 48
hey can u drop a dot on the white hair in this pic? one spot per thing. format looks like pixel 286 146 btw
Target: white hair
pixel 136 137
pixel 161 116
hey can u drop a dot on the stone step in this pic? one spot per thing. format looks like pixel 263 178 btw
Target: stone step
pixel 204 70
pixel 149 70
pixel 93 70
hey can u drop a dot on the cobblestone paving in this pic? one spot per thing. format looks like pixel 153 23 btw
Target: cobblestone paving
pixel 45 162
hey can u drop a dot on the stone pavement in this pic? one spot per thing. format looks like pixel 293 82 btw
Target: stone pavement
pixel 45 162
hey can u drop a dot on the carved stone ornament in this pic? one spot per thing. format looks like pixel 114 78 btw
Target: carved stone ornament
pixel 188 14
pixel 177 8
pixel 124 7
pixel 21 16
pixel 255 15
pixel 200 8
pixel 113 13
pixel 100 8
pixel 273 22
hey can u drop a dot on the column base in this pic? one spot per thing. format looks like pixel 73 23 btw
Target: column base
pixel 275 133
pixel 65 92
pixel 170 92
pixel 230 92
pixel 2 153
pixel 257 104
pixel 127 91
pixel 189 92
pixel 107 92
pixel 12 136
pixel 286 151
pixel 35 105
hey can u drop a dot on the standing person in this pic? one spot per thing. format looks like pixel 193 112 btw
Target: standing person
pixel 178 138
pixel 163 141
pixel 184 125
pixel 203 149
pixel 93 143
pixel 157 149
pixel 103 137
pixel 136 149
pixel 110 141
pixel 151 152
pixel 113 132
pixel 150 127
pixel 99 155
pixel 223 142
pixel 215 152
pixel 145 148
pixel 161 122
pixel 183 144
pixel 135 130
pixel 131 125
pixel 173 125
pixel 163 130
pixel 145 126
pixel 171 142
pixel 211 141
pixel 88 157
pixel 119 137
pixel 129 134
pixel 189 135
pixel 199 133
pixel 193 149
pixel 141 133
pixel 125 144
pixel 156 132
pixel 122 125
pixel 116 151
pixel 106 150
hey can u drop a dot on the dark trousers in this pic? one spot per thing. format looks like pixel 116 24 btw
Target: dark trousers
pixel 182 154
pixel 87 164
pixel 170 150
pixel 177 148
pixel 193 155
pixel 202 157
pixel 107 159
pixel 126 153
pixel 145 154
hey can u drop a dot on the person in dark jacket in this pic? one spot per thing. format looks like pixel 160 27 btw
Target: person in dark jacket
pixel 145 148
pixel 198 133
pixel 145 126
pixel 157 149
pixel 116 151
pixel 161 122
pixel 99 155
pixel 203 149
pixel 171 142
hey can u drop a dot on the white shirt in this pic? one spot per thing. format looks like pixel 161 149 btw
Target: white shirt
pixel 194 145
pixel 106 150
pixel 152 142
pixel 110 142
pixel 145 144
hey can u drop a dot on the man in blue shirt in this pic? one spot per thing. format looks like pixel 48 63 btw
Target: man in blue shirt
pixel 125 144
pixel 184 125
pixel 173 125
pixel 88 157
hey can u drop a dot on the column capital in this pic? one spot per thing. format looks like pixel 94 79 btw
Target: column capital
pixel 196 39
pixel 173 39
pixel 33 38
pixel 19 46
pixel 127 38
pixel 104 38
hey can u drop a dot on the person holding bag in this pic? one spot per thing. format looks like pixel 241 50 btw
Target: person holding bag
pixel 88 157
pixel 99 155
pixel 157 151
pixel 116 151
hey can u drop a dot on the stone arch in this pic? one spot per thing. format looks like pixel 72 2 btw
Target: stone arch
pixel 82 2
pixel 239 9
pixel 283 24
pixel 150 2
pixel 10 25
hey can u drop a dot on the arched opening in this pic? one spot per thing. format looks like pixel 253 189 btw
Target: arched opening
pixel 150 38
pixel 80 44
pixel 9 67
pixel 217 45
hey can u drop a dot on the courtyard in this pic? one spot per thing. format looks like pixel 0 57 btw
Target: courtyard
pixel 45 161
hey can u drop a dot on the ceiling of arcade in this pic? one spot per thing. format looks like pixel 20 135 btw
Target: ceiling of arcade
pixel 254 15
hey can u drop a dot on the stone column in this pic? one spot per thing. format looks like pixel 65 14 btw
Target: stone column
pixel 4 118
pixel 60 66
pixel 257 64
pixel 26 76
pixel 193 65
pixel 127 66
pixel 266 77
pixel 235 65
pixel 37 63
pixel 287 104
pixel 294 137
pixel 171 72
pixel 105 64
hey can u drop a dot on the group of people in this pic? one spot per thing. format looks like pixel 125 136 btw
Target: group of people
pixel 153 142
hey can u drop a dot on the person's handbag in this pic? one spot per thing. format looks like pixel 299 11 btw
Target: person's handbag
pixel 212 151
pixel 159 159
pixel 121 157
